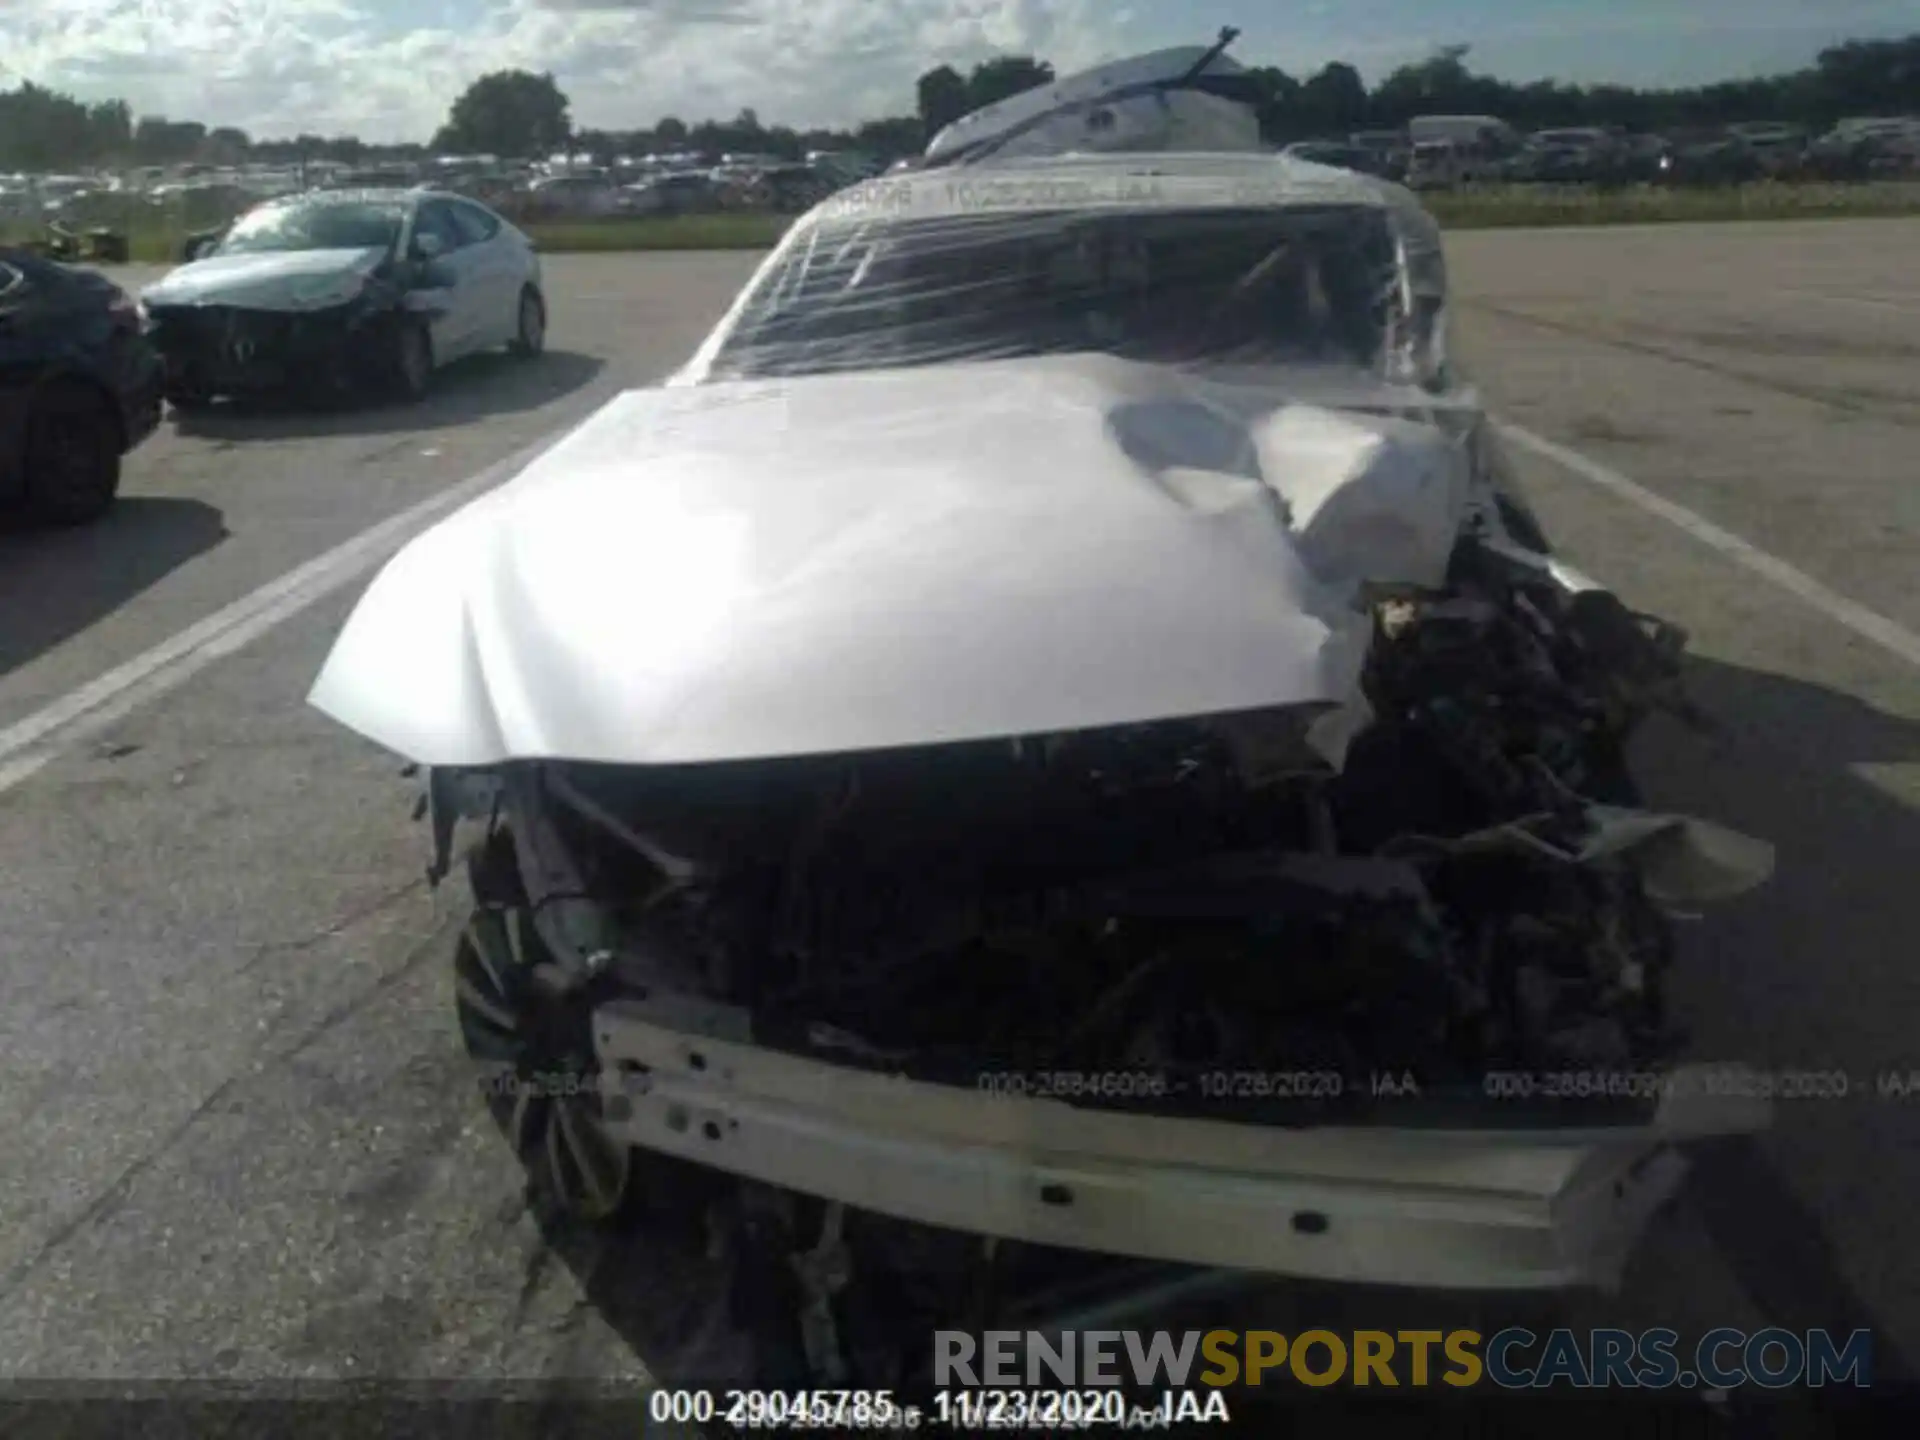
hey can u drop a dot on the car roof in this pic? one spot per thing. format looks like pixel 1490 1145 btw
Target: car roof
pixel 1130 181
pixel 26 278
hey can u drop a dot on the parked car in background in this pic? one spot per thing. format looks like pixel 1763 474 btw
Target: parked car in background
pixel 79 388
pixel 496 190
pixel 54 193
pixel 1340 155
pixel 1894 152
pixel 733 184
pixel 1391 150
pixel 575 197
pixel 376 178
pixel 844 167
pixel 792 189
pixel 1644 157
pixel 200 197
pixel 683 193
pixel 1710 158
pixel 1863 149
pixel 455 172
pixel 1459 149
pixel 1484 134
pixel 1586 156
pixel 1779 150
pixel 1435 165
pixel 340 289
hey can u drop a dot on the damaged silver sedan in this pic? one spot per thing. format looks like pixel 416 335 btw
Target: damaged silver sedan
pixel 1056 726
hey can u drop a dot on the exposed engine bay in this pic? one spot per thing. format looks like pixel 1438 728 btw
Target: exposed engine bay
pixel 1180 901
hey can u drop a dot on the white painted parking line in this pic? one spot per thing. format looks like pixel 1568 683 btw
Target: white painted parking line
pixel 1906 304
pixel 29 744
pixel 1867 624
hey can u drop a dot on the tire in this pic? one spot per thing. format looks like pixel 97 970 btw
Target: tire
pixel 535 1062
pixel 530 329
pixel 410 362
pixel 72 455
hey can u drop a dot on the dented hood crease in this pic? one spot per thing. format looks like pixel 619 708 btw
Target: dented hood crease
pixel 897 558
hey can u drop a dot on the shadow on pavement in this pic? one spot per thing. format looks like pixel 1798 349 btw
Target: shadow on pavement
pixel 1813 972
pixel 55 583
pixel 1812 969
pixel 463 393
pixel 659 1289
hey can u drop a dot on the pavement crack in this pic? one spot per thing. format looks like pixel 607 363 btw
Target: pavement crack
pixel 103 1205
pixel 356 916
pixel 1848 401
pixel 347 1009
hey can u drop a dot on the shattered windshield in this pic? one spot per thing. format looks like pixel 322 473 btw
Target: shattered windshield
pixel 316 225
pixel 1311 284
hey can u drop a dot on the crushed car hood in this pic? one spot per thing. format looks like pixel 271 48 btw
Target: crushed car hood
pixel 907 557
pixel 280 280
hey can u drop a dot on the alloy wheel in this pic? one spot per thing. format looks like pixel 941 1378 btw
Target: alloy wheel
pixel 537 1067
pixel 531 336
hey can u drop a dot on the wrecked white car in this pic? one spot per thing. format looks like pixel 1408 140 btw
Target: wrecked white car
pixel 339 289
pixel 1056 726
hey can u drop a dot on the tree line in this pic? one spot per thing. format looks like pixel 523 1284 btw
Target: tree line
pixel 515 113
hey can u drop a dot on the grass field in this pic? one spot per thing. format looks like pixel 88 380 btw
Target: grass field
pixel 1517 205
pixel 1477 209
pixel 159 240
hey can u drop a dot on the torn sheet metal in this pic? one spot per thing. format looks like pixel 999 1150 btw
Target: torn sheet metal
pixel 1681 860
pixel 896 558
pixel 1377 502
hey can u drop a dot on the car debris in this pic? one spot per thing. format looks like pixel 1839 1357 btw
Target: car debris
pixel 1058 726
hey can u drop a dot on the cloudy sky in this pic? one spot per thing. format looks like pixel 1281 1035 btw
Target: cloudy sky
pixel 386 69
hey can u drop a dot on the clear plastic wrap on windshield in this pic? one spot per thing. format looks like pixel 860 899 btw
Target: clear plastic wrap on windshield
pixel 1240 268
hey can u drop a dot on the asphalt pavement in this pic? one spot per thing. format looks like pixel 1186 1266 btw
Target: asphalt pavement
pixel 241 1139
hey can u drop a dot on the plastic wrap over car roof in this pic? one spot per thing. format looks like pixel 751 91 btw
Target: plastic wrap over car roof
pixel 1134 210
pixel 1190 260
